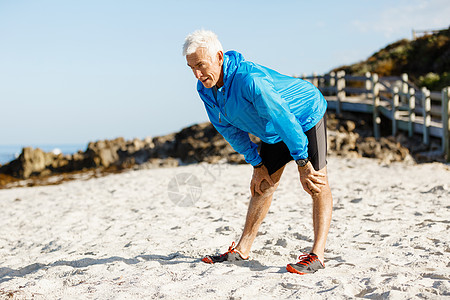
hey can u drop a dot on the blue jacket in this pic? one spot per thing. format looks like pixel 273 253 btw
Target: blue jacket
pixel 257 100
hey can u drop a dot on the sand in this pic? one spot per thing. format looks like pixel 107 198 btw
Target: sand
pixel 123 237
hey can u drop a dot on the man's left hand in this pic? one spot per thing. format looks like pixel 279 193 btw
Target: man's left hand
pixel 311 180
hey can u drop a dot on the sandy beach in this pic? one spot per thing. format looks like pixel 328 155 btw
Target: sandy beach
pixel 141 235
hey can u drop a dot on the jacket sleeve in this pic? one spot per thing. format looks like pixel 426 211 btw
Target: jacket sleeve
pixel 238 139
pixel 268 103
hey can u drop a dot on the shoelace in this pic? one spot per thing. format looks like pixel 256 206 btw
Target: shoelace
pixel 306 259
pixel 230 249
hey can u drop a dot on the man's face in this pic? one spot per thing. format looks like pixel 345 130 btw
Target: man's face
pixel 206 69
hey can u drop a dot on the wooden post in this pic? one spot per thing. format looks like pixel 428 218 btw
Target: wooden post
pixel 332 78
pixel 340 86
pixel 376 104
pixel 368 85
pixel 446 122
pixel 315 80
pixel 343 85
pixel 411 111
pixel 405 88
pixel 395 105
pixel 303 76
pixel 322 81
pixel 426 106
pixel 332 83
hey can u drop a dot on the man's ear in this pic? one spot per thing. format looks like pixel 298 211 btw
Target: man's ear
pixel 220 57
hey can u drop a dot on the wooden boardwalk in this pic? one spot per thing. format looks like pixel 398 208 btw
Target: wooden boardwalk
pixel 409 109
pixel 362 105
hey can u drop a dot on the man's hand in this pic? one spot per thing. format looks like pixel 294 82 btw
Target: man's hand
pixel 259 175
pixel 311 180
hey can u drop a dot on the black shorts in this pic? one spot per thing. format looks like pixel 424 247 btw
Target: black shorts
pixel 275 156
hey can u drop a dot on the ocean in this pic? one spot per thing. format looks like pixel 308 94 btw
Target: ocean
pixel 11 152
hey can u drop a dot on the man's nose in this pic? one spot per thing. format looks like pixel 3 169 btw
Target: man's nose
pixel 197 74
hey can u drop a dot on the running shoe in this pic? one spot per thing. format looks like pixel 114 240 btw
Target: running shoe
pixel 231 255
pixel 308 264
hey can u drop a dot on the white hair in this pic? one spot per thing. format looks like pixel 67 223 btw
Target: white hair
pixel 202 39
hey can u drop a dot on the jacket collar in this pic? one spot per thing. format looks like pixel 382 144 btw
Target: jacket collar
pixel 231 62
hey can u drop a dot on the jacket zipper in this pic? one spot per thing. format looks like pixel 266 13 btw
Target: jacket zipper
pixel 224 108
pixel 218 107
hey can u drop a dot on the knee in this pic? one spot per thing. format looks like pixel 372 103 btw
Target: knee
pixel 267 190
pixel 324 191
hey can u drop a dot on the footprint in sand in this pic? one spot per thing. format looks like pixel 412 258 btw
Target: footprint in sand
pixel 281 242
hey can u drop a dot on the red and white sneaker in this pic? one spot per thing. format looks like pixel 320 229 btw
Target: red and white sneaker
pixel 231 255
pixel 308 264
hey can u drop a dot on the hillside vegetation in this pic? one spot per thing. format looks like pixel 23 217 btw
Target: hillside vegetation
pixel 426 60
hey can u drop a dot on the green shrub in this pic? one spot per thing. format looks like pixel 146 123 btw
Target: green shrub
pixel 430 80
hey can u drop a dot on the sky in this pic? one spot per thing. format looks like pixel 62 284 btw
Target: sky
pixel 85 70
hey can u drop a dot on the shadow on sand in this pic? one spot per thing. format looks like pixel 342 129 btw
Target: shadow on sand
pixel 8 273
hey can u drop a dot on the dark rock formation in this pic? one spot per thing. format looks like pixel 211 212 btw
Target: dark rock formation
pixel 33 162
pixel 202 143
pixel 193 144
pixel 351 137
pixel 348 136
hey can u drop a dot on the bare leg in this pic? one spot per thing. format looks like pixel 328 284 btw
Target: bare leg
pixel 322 210
pixel 257 211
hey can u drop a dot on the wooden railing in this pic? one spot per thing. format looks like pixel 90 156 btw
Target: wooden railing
pixel 409 108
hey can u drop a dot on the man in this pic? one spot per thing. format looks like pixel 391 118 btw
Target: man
pixel 287 114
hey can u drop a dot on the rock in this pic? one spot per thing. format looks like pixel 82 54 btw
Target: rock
pixel 169 163
pixel 134 146
pixel 79 161
pixel 368 147
pixel 33 161
pixel 30 161
pixel 348 138
pixel 199 143
pixel 163 146
pixel 386 149
pixel 104 153
pixel 149 141
pixel 236 158
pixel 346 125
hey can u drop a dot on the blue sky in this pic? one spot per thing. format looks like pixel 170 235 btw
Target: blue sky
pixel 78 71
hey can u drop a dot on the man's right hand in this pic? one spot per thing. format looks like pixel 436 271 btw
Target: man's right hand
pixel 259 175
